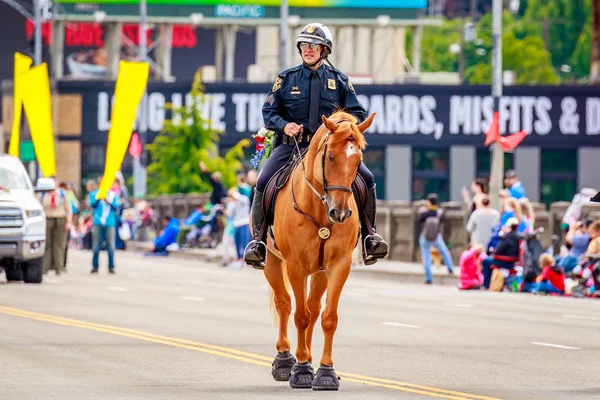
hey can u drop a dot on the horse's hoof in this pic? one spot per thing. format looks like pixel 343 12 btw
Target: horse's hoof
pixel 326 379
pixel 282 366
pixel 302 376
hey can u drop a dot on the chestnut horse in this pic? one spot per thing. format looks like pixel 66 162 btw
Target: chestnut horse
pixel 316 229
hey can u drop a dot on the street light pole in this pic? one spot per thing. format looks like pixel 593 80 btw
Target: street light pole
pixel 497 167
pixel 37 39
pixel 283 30
pixel 139 172
pixel 142 31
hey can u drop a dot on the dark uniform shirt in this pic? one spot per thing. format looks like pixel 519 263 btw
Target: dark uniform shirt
pixel 289 98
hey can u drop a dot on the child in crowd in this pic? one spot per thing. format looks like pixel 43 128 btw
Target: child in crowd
pixel 470 268
pixel 551 280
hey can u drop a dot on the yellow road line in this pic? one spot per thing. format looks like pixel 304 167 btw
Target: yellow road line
pixel 234 354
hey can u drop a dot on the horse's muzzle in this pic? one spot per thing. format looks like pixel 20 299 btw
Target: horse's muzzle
pixel 339 216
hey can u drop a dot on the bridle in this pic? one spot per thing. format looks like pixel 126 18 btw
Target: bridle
pixel 324 232
pixel 326 187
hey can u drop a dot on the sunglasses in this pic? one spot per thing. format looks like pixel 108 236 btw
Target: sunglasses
pixel 314 47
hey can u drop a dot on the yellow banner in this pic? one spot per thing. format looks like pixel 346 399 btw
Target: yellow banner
pixel 129 90
pixel 22 64
pixel 35 90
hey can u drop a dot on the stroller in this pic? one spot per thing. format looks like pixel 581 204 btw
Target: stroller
pixel 531 251
pixel 213 224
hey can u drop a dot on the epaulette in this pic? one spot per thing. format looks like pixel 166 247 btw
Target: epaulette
pixel 287 71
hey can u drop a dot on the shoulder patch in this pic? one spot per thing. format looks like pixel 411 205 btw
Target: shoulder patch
pixel 270 99
pixel 277 84
pixel 350 86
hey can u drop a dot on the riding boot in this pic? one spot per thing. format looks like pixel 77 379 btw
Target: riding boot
pixel 374 247
pixel 256 251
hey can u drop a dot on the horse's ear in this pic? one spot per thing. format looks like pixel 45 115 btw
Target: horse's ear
pixel 328 123
pixel 366 123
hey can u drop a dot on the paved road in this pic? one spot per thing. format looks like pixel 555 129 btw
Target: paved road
pixel 176 329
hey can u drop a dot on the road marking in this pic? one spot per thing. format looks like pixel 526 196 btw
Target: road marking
pixel 459 305
pixel 191 298
pixel 117 289
pixel 238 355
pixel 558 346
pixel 401 325
pixel 580 317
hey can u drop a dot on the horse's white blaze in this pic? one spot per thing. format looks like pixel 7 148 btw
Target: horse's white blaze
pixel 350 149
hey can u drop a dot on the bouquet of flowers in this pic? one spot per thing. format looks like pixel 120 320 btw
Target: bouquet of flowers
pixel 264 144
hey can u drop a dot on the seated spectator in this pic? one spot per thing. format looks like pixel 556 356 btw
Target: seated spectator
pixel 507 253
pixel 470 268
pixel 551 280
pixel 592 253
pixel 191 221
pixel 168 236
pixel 578 239
pixel 511 209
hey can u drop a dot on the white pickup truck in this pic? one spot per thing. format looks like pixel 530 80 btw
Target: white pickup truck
pixel 22 222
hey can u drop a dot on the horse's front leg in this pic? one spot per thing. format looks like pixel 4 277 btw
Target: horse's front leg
pixel 302 373
pixel 326 378
pixel 284 361
pixel 318 285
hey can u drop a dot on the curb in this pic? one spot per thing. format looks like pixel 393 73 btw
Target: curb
pixel 439 278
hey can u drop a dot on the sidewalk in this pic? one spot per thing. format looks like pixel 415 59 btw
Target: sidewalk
pixel 406 272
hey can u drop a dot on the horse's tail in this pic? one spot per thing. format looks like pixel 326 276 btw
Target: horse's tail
pixel 286 281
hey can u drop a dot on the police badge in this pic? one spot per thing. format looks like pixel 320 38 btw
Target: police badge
pixel 310 29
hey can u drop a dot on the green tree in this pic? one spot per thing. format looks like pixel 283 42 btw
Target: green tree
pixel 183 143
pixel 534 68
pixel 435 45
pixel 582 56
pixel 562 22
pixel 522 51
pixel 595 52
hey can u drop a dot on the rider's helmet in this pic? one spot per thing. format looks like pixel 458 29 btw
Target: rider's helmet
pixel 316 33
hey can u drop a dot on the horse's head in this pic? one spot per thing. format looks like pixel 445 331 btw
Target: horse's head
pixel 337 161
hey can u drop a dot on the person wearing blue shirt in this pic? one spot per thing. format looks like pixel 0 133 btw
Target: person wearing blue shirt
pixel 514 185
pixel 293 110
pixel 104 227
pixel 169 235
pixel 509 207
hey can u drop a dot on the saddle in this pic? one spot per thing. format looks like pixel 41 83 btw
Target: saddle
pixel 281 177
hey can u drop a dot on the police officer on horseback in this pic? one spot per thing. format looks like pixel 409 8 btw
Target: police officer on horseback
pixel 293 109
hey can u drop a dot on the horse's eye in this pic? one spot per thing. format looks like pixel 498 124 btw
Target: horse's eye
pixel 330 156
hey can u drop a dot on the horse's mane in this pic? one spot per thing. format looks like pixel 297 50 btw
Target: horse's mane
pixel 341 134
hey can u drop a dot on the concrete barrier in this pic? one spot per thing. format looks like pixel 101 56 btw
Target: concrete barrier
pixel 397 222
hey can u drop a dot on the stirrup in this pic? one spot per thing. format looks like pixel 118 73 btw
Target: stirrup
pixel 256 264
pixel 370 259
